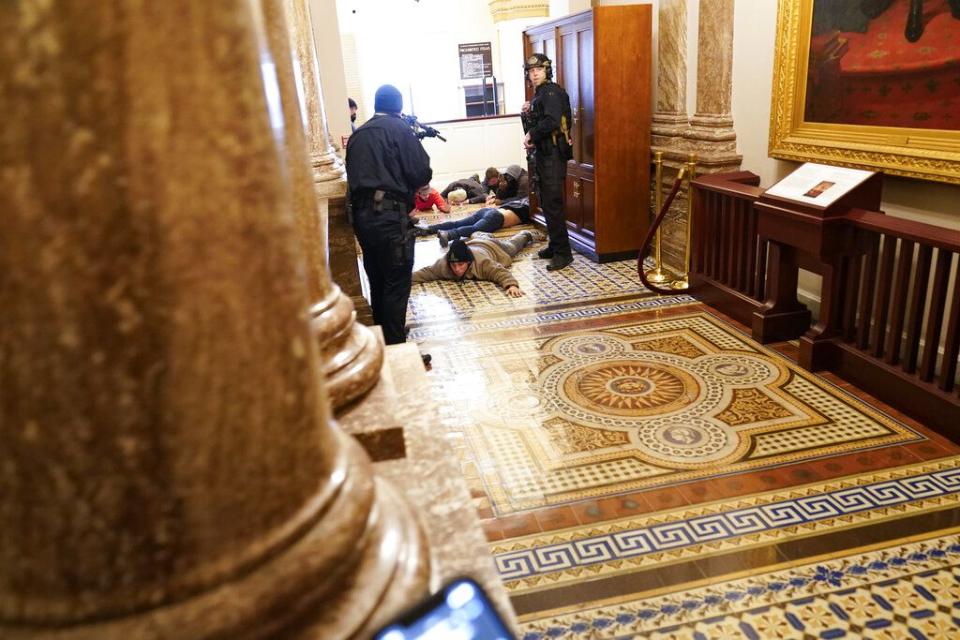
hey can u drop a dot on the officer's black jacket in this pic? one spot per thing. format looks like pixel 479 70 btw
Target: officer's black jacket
pixel 550 102
pixel 385 154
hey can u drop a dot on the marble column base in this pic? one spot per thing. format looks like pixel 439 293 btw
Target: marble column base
pixel 350 353
pixel 716 151
pixel 714 141
pixel 393 575
pixel 669 125
pixel 397 422
pixel 715 147
pixel 361 562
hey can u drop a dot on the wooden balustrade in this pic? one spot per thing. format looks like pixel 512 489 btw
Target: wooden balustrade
pixel 897 317
pixel 728 260
pixel 890 299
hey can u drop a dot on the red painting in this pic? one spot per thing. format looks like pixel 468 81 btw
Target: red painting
pixel 893 63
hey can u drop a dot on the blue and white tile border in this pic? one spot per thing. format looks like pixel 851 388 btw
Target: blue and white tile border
pixel 710 605
pixel 659 535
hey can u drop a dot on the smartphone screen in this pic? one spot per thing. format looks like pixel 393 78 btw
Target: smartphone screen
pixel 459 611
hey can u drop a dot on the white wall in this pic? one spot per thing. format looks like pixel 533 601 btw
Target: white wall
pixel 425 67
pixel 474 145
pixel 413 45
pixel 326 33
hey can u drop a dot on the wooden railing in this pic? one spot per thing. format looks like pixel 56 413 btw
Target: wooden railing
pixel 727 259
pixel 896 313
pixel 890 299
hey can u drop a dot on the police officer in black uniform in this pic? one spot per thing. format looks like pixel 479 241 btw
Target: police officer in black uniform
pixel 385 165
pixel 546 121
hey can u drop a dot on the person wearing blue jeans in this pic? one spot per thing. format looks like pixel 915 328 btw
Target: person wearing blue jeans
pixel 488 219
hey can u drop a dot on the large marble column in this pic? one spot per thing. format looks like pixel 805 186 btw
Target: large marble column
pixel 169 464
pixel 711 135
pixel 351 355
pixel 328 170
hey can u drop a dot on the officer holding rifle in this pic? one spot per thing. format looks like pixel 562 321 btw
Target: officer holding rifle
pixel 386 164
pixel 546 124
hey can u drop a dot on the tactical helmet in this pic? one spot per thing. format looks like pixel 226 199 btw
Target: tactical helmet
pixel 539 60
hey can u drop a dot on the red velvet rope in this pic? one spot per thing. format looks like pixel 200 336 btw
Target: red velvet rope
pixel 651 232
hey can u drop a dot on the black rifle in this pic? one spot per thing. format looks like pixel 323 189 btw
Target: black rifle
pixel 529 120
pixel 422 130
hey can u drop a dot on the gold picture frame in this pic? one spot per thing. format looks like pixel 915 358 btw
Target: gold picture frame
pixel 928 154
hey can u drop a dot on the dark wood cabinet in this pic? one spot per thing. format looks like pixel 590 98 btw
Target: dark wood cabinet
pixel 602 57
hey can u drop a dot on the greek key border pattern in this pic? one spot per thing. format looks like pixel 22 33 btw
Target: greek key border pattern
pixel 709 528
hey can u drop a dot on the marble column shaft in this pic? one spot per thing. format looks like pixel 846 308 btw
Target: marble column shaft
pixel 351 355
pixel 170 468
pixel 713 117
pixel 670 117
pixel 328 170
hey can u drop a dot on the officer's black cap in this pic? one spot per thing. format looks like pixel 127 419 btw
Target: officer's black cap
pixel 388 100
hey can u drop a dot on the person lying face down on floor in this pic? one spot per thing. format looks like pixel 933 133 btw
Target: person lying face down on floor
pixel 428 197
pixel 476 191
pixel 488 219
pixel 514 183
pixel 481 258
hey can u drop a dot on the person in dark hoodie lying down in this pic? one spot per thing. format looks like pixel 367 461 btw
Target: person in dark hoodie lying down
pixel 487 219
pixel 481 258
pixel 514 184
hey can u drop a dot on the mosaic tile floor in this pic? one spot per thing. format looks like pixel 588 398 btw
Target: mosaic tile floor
pixel 643 468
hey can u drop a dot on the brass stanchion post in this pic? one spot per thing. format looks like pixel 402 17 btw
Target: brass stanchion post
pixel 683 282
pixel 657 275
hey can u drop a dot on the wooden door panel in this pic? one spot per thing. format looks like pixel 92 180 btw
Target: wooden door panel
pixel 585 113
pixel 588 211
pixel 571 201
pixel 570 79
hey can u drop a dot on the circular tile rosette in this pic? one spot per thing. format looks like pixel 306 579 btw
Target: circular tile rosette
pixel 664 401
pixel 628 387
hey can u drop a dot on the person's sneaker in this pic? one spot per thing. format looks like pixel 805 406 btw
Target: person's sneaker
pixel 546 253
pixel 536 236
pixel 444 238
pixel 559 262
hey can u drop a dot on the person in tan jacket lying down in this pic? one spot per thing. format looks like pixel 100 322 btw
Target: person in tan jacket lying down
pixel 480 258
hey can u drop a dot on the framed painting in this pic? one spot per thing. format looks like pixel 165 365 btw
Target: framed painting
pixel 873 84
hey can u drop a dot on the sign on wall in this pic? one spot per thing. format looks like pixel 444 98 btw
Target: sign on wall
pixel 476 60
